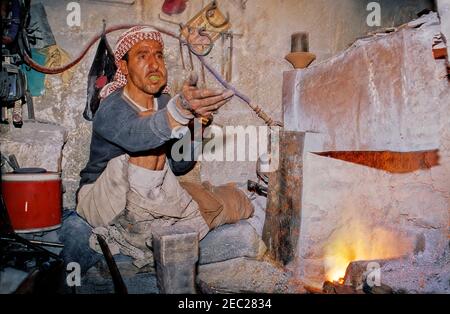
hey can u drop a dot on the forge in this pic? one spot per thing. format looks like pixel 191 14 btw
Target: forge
pixel 369 127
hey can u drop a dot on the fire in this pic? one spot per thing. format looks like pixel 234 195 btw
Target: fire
pixel 359 241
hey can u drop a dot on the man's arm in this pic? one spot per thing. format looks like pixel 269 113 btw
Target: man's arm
pixel 123 127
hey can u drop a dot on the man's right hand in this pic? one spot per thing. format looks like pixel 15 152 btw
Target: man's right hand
pixel 203 102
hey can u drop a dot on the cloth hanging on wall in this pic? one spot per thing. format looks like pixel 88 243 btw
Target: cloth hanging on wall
pixel 101 73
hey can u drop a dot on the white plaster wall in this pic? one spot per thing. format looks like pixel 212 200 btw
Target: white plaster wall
pixel 384 94
pixel 340 197
pixel 411 112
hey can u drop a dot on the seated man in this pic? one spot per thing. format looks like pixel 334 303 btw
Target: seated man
pixel 128 186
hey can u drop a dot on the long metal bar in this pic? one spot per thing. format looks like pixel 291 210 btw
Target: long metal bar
pixel 119 285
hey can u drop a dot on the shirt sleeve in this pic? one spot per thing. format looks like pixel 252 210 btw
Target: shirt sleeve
pixel 122 126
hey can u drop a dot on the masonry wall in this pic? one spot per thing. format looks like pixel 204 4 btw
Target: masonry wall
pixel 258 60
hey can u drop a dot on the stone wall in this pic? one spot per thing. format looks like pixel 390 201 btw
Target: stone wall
pixel 385 93
pixel 258 60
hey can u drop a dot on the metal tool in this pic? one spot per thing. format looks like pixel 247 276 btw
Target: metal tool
pixel 203 77
pixel 46 243
pixel 210 13
pixel 189 32
pixel 230 61
pixel 259 189
pixel 223 54
pixel 182 56
pixel 202 33
pixel 119 285
pixel 13 162
pixel 191 62
pixel 256 108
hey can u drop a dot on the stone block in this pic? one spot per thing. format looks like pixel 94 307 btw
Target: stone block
pixel 175 251
pixel 36 144
pixel 229 242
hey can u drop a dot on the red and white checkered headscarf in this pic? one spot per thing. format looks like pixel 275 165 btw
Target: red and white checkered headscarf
pixel 125 42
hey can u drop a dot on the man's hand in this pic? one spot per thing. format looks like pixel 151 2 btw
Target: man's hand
pixel 203 102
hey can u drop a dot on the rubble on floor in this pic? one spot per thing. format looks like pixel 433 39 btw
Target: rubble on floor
pixel 97 279
pixel 243 275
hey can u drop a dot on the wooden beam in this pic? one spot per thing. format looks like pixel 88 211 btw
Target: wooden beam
pixel 282 225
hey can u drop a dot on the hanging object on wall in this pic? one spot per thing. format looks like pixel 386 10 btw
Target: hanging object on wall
pixel 55 57
pixel 201 32
pixel 102 72
pixel 229 71
pixel 35 79
pixel 40 33
pixel 14 91
pixel 205 28
pixel 171 7
pixel 300 57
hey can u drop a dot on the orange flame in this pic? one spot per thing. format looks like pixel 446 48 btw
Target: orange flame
pixel 358 241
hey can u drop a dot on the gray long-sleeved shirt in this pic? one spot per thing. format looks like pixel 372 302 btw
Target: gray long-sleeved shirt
pixel 118 129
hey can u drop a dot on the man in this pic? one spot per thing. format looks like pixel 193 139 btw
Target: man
pixel 128 186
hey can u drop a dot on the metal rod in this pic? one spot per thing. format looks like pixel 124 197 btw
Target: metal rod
pixel 223 55
pixel 182 56
pixel 119 285
pixel 203 76
pixel 191 62
pixel 230 61
pixel 16 238
pixel 44 243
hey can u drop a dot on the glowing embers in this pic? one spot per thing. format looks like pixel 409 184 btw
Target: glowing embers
pixel 394 162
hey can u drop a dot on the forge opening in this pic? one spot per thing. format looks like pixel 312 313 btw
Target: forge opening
pixel 393 162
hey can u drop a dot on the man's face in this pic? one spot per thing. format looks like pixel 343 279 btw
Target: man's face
pixel 146 68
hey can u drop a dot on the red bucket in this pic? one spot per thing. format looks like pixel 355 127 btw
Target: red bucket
pixel 33 201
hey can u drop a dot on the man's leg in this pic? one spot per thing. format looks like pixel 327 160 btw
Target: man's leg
pixel 160 192
pixel 219 205
pixel 103 200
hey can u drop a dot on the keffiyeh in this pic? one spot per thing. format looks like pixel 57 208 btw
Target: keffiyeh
pixel 125 42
